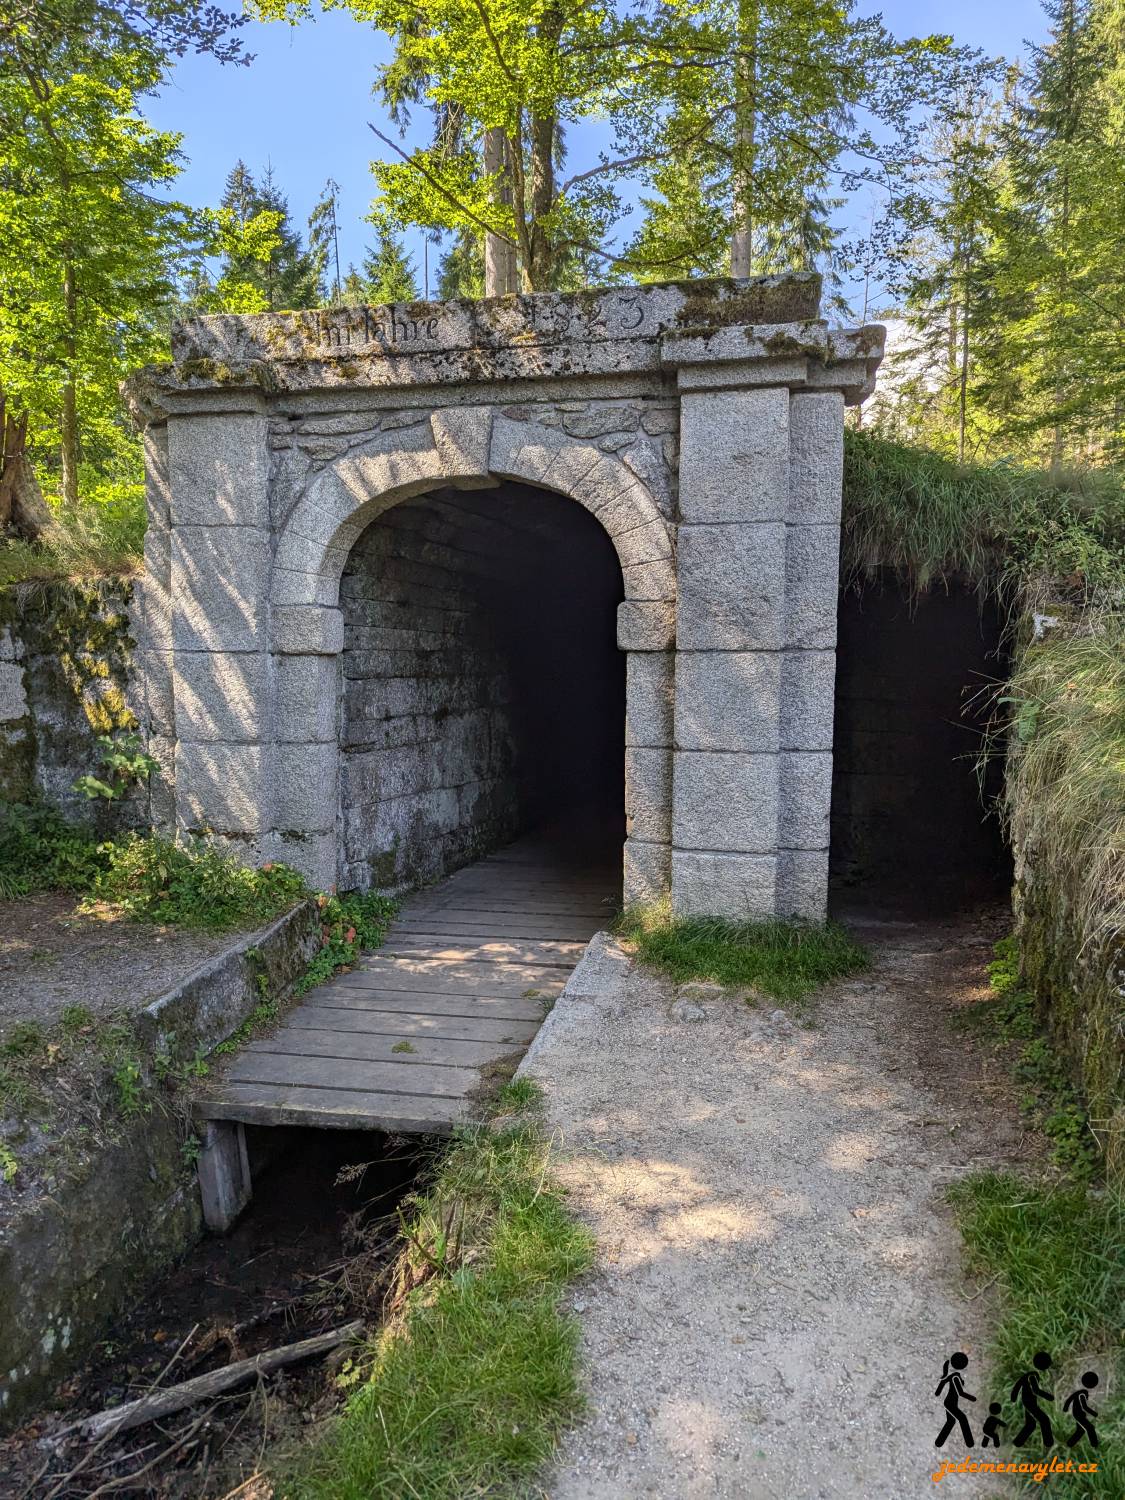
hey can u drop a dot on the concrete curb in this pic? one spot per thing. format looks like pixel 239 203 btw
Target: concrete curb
pixel 600 972
pixel 201 1011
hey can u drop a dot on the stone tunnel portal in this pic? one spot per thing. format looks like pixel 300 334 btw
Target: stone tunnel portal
pixel 483 692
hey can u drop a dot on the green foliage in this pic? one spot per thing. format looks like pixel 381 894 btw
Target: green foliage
pixel 40 850
pixel 126 764
pixel 1050 1101
pixel 468 1387
pixel 1013 284
pixel 156 879
pixel 263 259
pixel 348 926
pixel 932 520
pixel 784 959
pixel 104 535
pixel 1057 1256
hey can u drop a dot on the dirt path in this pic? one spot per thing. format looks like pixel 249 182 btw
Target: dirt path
pixel 779 1279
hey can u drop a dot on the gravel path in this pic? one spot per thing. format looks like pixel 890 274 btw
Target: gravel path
pixel 778 1278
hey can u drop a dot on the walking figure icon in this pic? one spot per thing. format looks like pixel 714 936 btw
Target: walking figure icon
pixel 1080 1409
pixel 953 1386
pixel 992 1426
pixel 1028 1392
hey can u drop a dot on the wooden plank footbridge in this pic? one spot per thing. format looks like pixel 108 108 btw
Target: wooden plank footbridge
pixel 405 1040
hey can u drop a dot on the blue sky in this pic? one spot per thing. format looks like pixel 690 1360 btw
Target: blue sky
pixel 304 103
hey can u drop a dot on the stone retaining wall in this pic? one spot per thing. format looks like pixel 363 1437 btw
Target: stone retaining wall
pixel 67 675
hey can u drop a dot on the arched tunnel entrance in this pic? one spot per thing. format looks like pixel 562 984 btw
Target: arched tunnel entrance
pixel 483 690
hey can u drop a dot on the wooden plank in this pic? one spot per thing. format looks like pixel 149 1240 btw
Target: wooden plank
pixel 336 1073
pixel 441 978
pixel 356 1046
pixel 548 953
pixel 470 1028
pixel 413 1002
pixel 474 909
pixel 334 1109
pixel 499 927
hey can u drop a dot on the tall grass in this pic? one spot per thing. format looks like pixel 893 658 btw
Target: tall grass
pixel 105 535
pixel 995 526
pixel 1064 796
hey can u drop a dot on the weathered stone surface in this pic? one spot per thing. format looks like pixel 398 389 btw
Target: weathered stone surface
pixel 222 695
pixel 806 796
pixel 816 457
pixel 728 700
pixel 725 802
pixel 13 697
pixel 812 562
pixel 218 470
pixel 647 872
pixel 306 787
pixel 303 630
pixel 734 456
pixel 463 437
pixel 808 680
pixel 646 625
pixel 732 587
pixel 307 698
pixel 225 788
pixel 802 883
pixel 220 585
pixel 649 697
pixel 741 887
pixel 648 794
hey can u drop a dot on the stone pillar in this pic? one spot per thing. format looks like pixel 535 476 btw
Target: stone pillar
pixel 226 761
pixel 646 630
pixel 730 632
pixel 154 601
pixel 307 640
pixel 808 668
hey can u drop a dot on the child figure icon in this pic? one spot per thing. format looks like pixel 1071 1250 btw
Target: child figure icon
pixel 1078 1405
pixel 992 1426
pixel 953 1386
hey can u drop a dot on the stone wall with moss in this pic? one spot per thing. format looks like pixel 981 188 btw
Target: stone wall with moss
pixel 66 677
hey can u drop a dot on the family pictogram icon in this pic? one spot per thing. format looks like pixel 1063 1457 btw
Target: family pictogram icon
pixel 1029 1393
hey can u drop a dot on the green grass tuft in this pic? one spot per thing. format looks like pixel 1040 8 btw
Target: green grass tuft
pixel 468 1388
pixel 785 959
pixel 1058 1256
pixel 105 535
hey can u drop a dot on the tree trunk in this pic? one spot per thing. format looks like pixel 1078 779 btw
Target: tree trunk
pixel 500 273
pixel 68 426
pixel 23 511
pixel 540 272
pixel 745 123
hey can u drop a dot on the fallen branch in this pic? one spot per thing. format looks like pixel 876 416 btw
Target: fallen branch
pixel 175 1398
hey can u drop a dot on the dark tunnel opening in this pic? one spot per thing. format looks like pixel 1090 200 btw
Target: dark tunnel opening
pixel 914 827
pixel 483 691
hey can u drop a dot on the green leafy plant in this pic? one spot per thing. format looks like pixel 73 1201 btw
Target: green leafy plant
pixel 348 925
pixel 40 850
pixel 126 764
pixel 9 1165
pixel 156 879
